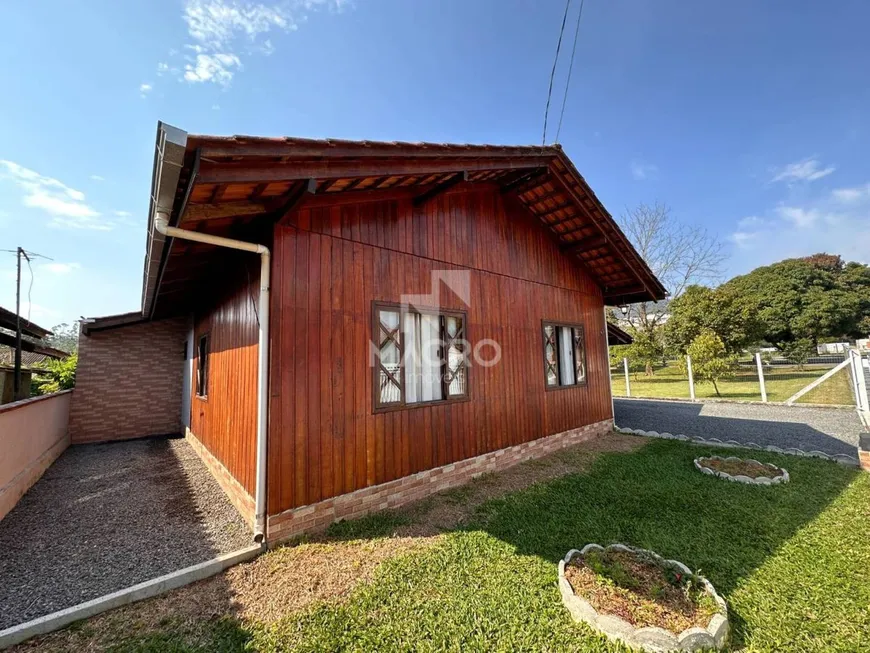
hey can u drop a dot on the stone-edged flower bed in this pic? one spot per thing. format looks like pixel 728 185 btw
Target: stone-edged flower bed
pixel 742 470
pixel 632 595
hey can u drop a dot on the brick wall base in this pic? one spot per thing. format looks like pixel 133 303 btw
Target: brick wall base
pixel 864 460
pixel 242 501
pixel 394 494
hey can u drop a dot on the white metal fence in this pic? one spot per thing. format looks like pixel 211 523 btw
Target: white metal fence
pixel 822 379
pixel 859 371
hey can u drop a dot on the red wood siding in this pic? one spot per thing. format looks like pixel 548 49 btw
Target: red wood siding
pixel 226 421
pixel 333 261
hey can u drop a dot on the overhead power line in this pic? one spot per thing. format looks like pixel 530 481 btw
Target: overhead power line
pixel 553 71
pixel 29 288
pixel 570 69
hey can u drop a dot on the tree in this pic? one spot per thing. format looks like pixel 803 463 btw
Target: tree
pixel 678 254
pixel 799 351
pixel 718 310
pixel 64 336
pixel 710 359
pixel 646 349
pixel 57 375
pixel 807 299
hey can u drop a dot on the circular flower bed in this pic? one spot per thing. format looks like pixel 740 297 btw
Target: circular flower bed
pixel 742 470
pixel 638 597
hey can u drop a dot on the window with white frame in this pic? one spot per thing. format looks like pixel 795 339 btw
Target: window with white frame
pixel 564 355
pixel 421 356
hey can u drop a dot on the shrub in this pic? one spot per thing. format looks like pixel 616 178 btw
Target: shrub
pixel 57 375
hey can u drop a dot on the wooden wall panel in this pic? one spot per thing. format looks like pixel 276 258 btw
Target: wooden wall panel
pixel 331 262
pixel 226 420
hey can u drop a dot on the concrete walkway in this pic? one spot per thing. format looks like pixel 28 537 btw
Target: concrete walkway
pixel 105 517
pixel 831 430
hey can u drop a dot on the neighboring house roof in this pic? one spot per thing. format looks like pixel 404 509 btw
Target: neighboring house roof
pixel 111 321
pixel 239 186
pixel 28 328
pixel 8 340
pixel 28 358
pixel 616 336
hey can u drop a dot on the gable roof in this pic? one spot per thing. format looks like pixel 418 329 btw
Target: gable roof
pixel 230 185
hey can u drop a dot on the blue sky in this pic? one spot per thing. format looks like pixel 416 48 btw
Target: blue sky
pixel 748 118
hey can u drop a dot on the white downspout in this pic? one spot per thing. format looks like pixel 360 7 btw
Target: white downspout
pixel 161 224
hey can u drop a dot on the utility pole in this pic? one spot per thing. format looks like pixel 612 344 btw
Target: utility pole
pixel 16 382
pixel 19 253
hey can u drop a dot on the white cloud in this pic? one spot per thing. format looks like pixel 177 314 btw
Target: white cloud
pixel 98 178
pixel 222 30
pixel 743 238
pixel 60 222
pixel 66 205
pixel 851 195
pixel 642 171
pixel 218 68
pixel 809 169
pixel 836 222
pixel 750 221
pixel 215 23
pixel 145 89
pixel 123 214
pixel 59 268
pixel 800 217
pixel 803 218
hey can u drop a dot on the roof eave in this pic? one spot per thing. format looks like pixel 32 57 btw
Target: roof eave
pixel 169 150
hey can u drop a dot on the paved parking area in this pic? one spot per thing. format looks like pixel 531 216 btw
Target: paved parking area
pixel 105 517
pixel 831 430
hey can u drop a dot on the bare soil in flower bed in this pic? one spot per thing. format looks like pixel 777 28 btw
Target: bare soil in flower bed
pixel 750 468
pixel 640 591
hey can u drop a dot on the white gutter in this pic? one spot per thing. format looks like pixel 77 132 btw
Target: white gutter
pixel 161 224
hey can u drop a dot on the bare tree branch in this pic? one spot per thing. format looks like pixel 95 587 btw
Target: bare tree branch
pixel 680 255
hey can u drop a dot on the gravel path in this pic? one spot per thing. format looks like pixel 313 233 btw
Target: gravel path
pixel 829 430
pixel 105 517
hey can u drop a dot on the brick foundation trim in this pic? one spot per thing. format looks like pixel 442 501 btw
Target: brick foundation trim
pixel 394 494
pixel 237 494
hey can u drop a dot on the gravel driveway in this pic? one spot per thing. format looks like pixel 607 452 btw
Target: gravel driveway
pixel 830 430
pixel 105 517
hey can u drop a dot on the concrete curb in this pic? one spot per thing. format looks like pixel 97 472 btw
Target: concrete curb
pixel 683 400
pixel 842 458
pixel 150 588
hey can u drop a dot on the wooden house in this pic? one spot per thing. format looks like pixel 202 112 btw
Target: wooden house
pixel 410 315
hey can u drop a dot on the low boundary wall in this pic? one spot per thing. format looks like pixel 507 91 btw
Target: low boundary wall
pixel 33 433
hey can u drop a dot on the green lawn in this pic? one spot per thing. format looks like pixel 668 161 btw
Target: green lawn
pixel 792 561
pixel 781 383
